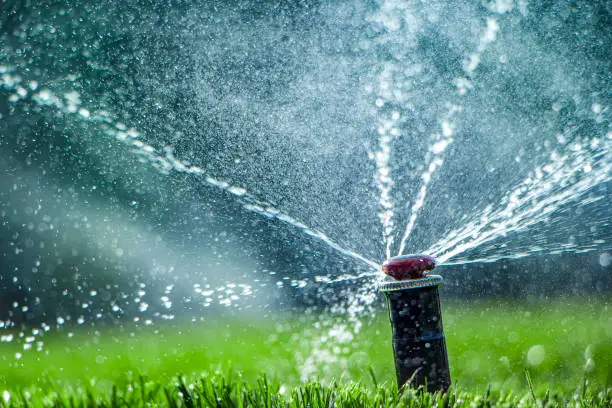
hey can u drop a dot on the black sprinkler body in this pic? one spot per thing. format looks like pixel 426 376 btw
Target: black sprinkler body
pixel 419 345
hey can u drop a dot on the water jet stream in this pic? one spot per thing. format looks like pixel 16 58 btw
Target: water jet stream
pixel 440 141
pixel 432 163
pixel 564 179
pixel 164 161
pixel 387 130
pixel 519 253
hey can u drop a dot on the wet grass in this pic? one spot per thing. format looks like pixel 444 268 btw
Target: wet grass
pixel 218 391
pixel 565 347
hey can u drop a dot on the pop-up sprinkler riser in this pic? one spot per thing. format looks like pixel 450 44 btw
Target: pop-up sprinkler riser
pixel 419 345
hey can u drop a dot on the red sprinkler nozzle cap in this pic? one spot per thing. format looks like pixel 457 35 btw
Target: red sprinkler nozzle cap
pixel 408 266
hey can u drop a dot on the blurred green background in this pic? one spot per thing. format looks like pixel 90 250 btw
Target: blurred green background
pixel 560 343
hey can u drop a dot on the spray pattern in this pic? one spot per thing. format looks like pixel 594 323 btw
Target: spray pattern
pixel 393 89
pixel 392 94
pixel 530 203
pixel 433 161
pixel 439 142
pixel 164 160
pixel 572 171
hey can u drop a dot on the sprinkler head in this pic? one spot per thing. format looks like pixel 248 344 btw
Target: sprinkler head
pixel 406 267
pixel 419 345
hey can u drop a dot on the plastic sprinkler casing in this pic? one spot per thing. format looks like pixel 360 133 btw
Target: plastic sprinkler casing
pixel 419 345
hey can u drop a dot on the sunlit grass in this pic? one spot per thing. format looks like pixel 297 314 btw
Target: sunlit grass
pixel 219 391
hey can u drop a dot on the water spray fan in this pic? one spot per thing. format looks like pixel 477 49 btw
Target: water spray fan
pixel 419 346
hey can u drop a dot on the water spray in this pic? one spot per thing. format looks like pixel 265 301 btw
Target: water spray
pixel 419 346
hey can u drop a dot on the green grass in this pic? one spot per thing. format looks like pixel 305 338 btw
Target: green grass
pixel 564 347
pixel 218 391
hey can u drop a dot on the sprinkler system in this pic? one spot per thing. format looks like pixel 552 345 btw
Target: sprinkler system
pixel 419 346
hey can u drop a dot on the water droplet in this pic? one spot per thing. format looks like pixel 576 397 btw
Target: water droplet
pixel 605 259
pixel 536 355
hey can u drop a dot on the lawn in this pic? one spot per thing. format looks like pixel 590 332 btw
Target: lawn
pixel 564 347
